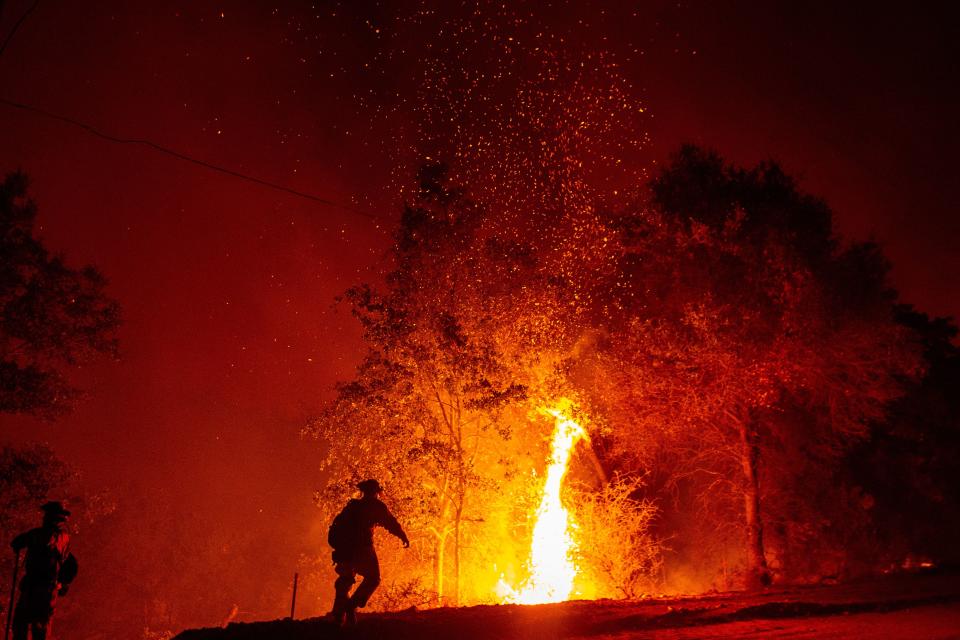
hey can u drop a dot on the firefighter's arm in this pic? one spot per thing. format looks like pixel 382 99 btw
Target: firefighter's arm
pixel 390 523
pixel 68 571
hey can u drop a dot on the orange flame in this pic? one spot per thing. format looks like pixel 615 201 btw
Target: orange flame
pixel 552 566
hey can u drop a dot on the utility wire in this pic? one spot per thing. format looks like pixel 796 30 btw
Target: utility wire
pixel 16 26
pixel 182 156
pixel 158 147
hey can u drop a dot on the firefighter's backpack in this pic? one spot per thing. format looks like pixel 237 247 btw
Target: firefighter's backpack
pixel 344 531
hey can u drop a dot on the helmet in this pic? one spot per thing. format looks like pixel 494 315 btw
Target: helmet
pixel 370 486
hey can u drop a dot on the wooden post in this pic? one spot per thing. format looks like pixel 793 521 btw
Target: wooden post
pixel 293 600
pixel 13 592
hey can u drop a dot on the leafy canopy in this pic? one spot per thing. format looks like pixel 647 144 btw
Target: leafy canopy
pixel 52 317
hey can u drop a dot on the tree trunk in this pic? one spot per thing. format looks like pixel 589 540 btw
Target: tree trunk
pixel 438 559
pixel 597 466
pixel 758 575
pixel 456 557
pixel 461 497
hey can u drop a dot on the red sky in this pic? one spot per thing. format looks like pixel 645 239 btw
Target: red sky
pixel 230 340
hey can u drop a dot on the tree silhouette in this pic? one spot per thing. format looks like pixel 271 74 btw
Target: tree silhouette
pixel 54 317
pixel 908 466
pixel 741 311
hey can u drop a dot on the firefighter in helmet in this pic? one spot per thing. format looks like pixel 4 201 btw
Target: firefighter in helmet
pixel 351 536
pixel 50 568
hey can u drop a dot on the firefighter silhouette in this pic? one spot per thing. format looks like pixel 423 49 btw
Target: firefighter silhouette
pixel 50 568
pixel 351 536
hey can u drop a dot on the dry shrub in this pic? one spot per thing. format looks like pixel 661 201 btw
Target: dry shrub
pixel 618 557
pixel 400 594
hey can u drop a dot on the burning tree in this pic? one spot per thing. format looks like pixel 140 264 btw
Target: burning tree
pixel 429 393
pixel 735 311
pixel 713 328
pixel 470 342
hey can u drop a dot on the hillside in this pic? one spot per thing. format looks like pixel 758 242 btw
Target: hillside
pixel 894 607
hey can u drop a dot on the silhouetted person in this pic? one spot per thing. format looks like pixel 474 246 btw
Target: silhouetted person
pixel 50 568
pixel 351 536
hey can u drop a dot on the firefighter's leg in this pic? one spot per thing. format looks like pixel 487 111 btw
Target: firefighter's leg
pixel 20 628
pixel 369 567
pixel 39 630
pixel 21 619
pixel 341 587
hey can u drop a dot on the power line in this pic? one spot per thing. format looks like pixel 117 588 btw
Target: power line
pixel 182 156
pixel 158 147
pixel 16 26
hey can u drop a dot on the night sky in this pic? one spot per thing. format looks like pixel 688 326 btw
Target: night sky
pixel 231 339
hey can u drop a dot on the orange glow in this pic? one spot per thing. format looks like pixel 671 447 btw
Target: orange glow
pixel 551 563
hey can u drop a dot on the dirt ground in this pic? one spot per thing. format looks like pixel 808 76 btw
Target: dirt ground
pixel 909 606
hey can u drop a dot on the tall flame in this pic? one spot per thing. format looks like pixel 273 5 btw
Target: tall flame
pixel 552 567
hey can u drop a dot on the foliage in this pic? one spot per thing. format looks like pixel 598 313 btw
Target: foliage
pixel 54 317
pixel 399 592
pixel 28 476
pixel 891 499
pixel 617 554
pixel 423 412
pixel 905 472
pixel 727 346
pixel 743 322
